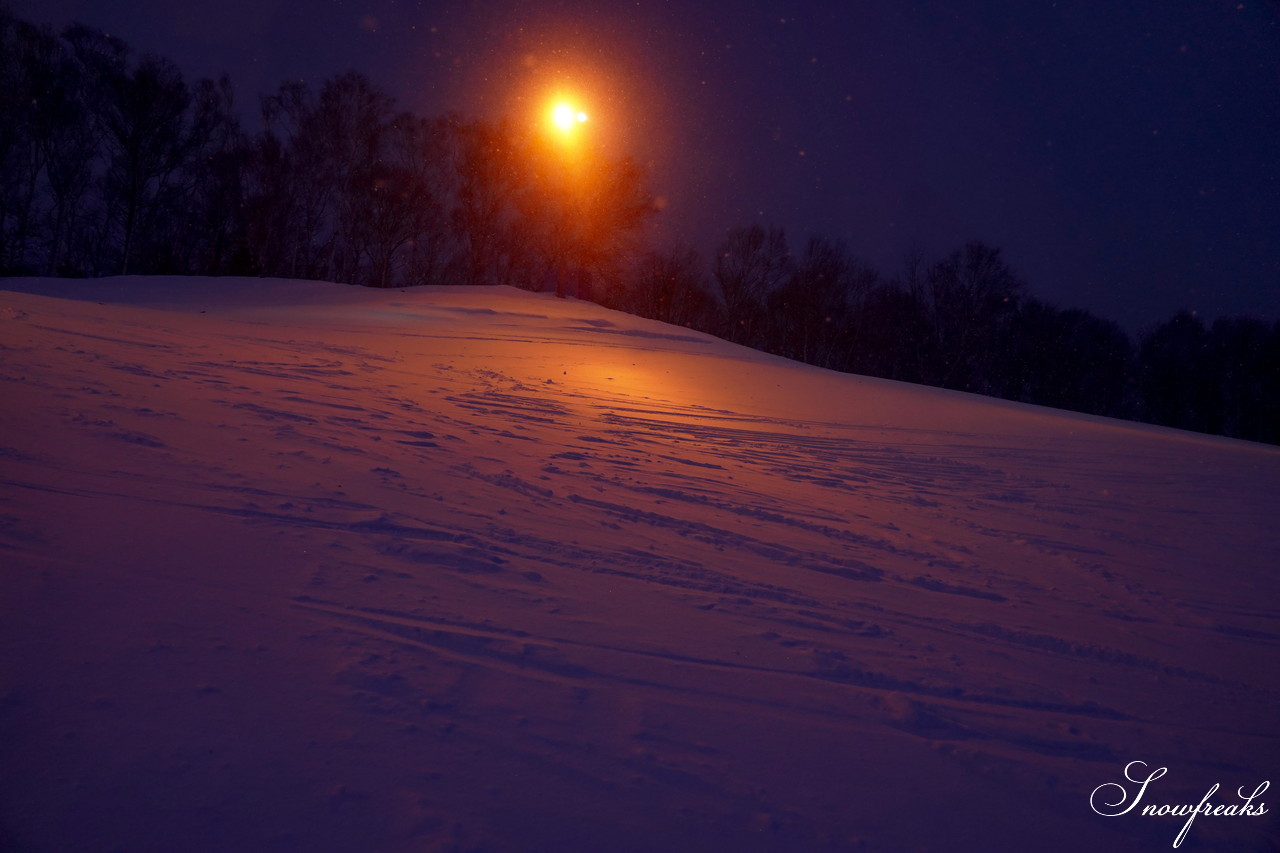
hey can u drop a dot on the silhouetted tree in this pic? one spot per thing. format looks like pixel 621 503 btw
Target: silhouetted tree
pixel 70 141
pixel 892 325
pixel 969 298
pixel 670 286
pixel 213 231
pixel 30 66
pixel 610 220
pixel 1067 359
pixel 1244 375
pixel 811 312
pixel 424 150
pixel 141 112
pixel 1173 386
pixel 484 212
pixel 581 211
pixel 351 128
pixel 291 187
pixel 751 264
pixel 391 202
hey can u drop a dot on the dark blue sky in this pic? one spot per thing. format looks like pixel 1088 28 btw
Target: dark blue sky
pixel 1124 155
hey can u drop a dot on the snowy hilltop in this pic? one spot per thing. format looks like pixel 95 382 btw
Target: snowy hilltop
pixel 302 566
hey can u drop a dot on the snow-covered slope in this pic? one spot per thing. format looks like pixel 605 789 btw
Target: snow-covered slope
pixel 297 566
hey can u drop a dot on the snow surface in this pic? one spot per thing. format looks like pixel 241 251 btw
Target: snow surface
pixel 299 566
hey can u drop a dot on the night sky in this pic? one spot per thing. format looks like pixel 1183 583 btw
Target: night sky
pixel 1125 156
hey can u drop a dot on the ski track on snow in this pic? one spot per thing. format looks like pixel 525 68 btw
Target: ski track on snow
pixel 513 552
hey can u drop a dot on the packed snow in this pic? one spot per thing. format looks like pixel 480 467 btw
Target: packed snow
pixel 298 566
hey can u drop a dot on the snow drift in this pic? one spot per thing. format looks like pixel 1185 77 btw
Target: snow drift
pixel 299 566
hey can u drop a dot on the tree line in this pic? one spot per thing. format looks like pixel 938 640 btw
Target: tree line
pixel 966 322
pixel 110 163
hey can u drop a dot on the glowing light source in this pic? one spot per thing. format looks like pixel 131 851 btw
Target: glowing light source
pixel 565 116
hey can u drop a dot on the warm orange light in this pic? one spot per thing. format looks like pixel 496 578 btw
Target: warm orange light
pixel 565 116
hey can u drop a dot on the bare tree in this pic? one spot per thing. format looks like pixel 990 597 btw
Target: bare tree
pixel 424 149
pixel 29 62
pixel 751 264
pixel 812 312
pixel 968 297
pixel 141 111
pixel 610 221
pixel 670 286
pixel 492 179
pixel 71 146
